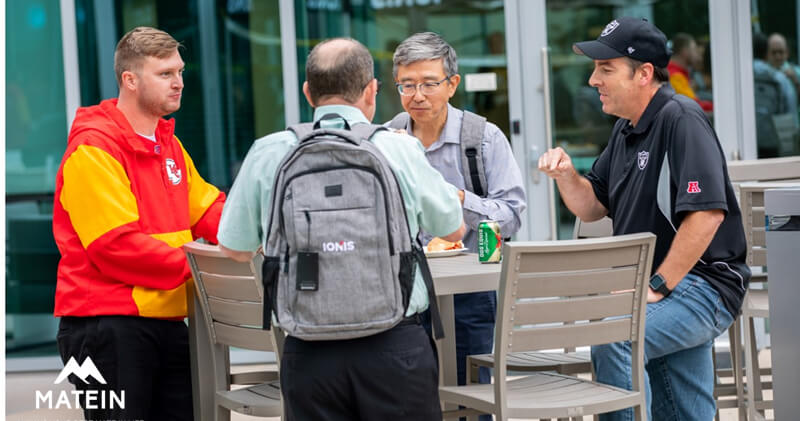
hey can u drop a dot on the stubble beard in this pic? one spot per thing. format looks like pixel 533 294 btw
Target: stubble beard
pixel 152 105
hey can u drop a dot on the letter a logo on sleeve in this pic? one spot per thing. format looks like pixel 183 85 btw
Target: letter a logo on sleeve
pixel 694 187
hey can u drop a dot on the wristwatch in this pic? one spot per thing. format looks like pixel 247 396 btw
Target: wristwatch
pixel 657 283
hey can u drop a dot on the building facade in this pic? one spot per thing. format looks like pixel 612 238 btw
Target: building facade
pixel 244 69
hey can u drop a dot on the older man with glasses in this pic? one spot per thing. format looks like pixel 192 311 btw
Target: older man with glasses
pixel 472 154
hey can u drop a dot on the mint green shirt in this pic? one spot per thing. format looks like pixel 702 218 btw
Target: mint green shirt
pixel 431 203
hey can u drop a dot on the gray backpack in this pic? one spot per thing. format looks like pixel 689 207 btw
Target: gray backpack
pixel 339 261
pixel 471 136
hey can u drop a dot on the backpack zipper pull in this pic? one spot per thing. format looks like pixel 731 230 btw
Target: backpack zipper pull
pixel 308 231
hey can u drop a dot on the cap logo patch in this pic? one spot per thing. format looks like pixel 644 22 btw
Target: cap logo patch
pixel 694 187
pixel 610 28
pixel 631 50
pixel 642 161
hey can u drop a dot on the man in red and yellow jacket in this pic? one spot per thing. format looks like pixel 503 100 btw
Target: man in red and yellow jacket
pixel 127 198
pixel 684 54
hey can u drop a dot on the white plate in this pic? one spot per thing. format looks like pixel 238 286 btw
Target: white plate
pixel 445 253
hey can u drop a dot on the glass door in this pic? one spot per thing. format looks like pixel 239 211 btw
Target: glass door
pixel 570 115
pixel 475 29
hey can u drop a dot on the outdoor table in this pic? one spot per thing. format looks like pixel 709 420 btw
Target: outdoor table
pixel 451 275
pixel 457 275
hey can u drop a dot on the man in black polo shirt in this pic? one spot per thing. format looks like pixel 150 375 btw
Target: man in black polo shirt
pixel 663 171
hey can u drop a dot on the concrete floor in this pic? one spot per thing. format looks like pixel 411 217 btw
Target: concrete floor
pixel 21 398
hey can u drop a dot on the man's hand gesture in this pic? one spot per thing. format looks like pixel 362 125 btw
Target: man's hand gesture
pixel 556 164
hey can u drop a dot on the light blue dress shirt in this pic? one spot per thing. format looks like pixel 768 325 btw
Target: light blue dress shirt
pixel 431 203
pixel 505 200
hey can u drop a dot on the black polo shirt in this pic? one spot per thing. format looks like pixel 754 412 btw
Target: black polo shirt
pixel 671 163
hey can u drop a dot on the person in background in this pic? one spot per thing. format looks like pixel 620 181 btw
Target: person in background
pixel 775 100
pixel 392 375
pixel 684 55
pixel 701 72
pixel 127 198
pixel 664 172
pixel 426 77
pixel 778 58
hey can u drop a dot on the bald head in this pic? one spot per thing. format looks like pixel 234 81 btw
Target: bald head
pixel 338 67
pixel 777 50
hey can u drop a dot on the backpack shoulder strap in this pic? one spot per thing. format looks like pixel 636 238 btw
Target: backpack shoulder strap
pixel 366 131
pixel 301 130
pixel 399 121
pixel 472 129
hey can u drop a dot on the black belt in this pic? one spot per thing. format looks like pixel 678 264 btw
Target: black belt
pixel 411 320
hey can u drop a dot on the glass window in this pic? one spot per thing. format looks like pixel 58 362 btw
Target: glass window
pixel 476 31
pixel 250 50
pixel 35 106
pixel 580 125
pixel 35 140
pixel 776 77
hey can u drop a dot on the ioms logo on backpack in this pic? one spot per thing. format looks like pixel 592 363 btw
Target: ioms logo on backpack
pixel 334 247
pixel 86 399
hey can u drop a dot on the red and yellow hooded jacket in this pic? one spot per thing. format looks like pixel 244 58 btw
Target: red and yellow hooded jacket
pixel 679 79
pixel 124 205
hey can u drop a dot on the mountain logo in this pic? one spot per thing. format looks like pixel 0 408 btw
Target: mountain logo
pixel 82 371
pixel 90 397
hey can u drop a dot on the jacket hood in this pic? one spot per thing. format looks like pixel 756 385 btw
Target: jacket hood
pixel 106 120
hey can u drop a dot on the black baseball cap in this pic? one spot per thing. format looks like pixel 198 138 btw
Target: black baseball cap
pixel 628 37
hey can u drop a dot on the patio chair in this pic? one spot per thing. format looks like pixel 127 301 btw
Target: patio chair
pixel 756 302
pixel 558 294
pixel 569 361
pixel 232 304
pixel 776 170
pixel 601 228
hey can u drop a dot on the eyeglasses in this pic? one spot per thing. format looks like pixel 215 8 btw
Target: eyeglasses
pixel 426 88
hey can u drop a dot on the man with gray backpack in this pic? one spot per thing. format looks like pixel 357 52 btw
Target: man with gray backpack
pixel 337 206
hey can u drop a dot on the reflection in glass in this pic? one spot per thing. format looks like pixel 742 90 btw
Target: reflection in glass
pixel 776 78
pixel 581 127
pixel 475 29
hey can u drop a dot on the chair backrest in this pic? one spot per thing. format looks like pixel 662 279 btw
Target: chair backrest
pixel 768 169
pixel 230 298
pixel 751 202
pixel 558 294
pixel 600 228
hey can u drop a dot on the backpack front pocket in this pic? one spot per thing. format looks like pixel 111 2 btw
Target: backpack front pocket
pixel 339 216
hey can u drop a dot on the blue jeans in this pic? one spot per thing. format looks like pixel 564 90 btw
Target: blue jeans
pixel 679 370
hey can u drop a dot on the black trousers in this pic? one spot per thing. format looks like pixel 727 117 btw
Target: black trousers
pixel 146 358
pixel 393 375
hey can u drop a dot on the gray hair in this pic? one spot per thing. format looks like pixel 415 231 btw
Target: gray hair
pixel 425 46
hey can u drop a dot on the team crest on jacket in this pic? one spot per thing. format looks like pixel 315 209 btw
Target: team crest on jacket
pixel 643 156
pixel 173 172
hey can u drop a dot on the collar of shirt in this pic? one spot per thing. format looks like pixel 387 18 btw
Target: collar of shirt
pixel 664 93
pixel 352 114
pixel 451 132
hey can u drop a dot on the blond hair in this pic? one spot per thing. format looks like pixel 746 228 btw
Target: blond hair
pixel 139 43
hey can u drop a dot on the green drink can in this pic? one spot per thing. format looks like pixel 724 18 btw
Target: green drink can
pixel 490 242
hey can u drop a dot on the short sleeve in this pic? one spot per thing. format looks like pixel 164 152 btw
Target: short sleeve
pixel 696 165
